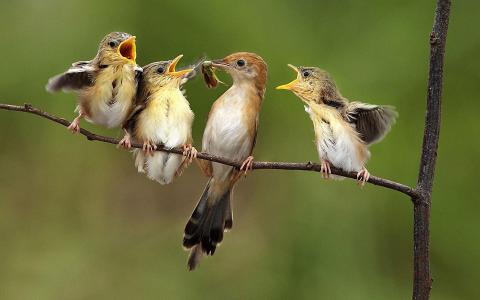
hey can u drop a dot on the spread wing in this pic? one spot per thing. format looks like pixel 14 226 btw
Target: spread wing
pixel 372 122
pixel 80 75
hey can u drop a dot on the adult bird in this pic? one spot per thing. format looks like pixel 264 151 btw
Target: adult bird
pixel 230 132
pixel 106 85
pixel 343 129
pixel 162 115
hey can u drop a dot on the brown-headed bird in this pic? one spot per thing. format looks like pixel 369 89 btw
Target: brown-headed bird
pixel 230 132
pixel 343 129
pixel 162 115
pixel 106 85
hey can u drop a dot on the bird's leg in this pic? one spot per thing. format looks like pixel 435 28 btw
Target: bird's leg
pixel 247 164
pixel 149 147
pixel 363 176
pixel 74 127
pixel 325 169
pixel 189 152
pixel 126 142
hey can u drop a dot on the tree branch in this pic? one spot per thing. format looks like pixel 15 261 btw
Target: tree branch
pixel 422 281
pixel 308 166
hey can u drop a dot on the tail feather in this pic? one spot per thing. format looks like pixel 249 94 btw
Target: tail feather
pixel 205 228
pixel 228 215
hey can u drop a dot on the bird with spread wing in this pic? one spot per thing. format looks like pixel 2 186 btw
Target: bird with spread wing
pixel 343 129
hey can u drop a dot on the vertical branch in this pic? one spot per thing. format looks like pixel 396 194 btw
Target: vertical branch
pixel 422 281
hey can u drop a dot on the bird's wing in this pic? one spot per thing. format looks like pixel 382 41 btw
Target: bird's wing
pixel 372 122
pixel 254 142
pixel 141 100
pixel 81 74
pixel 81 63
pixel 337 103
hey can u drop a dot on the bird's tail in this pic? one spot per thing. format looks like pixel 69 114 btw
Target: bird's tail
pixel 210 218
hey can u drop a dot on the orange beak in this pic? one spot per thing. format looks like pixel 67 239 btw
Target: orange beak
pixel 171 68
pixel 128 49
pixel 291 85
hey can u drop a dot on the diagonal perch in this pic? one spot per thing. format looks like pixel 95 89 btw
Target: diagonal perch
pixel 308 166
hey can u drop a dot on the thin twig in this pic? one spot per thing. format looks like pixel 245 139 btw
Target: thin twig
pixel 308 166
pixel 422 280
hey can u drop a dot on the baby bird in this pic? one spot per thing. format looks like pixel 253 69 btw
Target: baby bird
pixel 106 85
pixel 343 129
pixel 163 116
pixel 230 132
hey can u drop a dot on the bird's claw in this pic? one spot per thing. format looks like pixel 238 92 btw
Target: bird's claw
pixel 325 169
pixel 74 127
pixel 363 176
pixel 149 147
pixel 247 165
pixel 189 152
pixel 126 142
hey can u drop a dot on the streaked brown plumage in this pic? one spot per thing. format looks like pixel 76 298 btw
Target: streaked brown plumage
pixel 162 115
pixel 343 129
pixel 106 86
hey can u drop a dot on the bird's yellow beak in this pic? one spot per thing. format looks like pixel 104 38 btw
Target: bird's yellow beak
pixel 128 49
pixel 291 85
pixel 171 68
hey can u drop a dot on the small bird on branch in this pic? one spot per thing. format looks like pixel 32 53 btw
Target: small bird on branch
pixel 161 116
pixel 106 86
pixel 231 133
pixel 343 129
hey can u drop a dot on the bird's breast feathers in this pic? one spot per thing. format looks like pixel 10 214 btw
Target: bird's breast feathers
pixel 109 100
pixel 231 125
pixel 336 140
pixel 167 119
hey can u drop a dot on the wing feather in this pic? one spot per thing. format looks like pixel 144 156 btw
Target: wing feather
pixel 141 100
pixel 372 122
pixel 80 75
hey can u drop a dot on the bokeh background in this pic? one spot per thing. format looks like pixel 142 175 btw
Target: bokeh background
pixel 78 222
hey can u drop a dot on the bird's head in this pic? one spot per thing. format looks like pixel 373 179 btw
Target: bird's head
pixel 118 47
pixel 163 73
pixel 311 85
pixel 243 67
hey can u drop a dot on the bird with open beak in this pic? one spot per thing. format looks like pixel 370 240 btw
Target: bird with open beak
pixel 161 116
pixel 230 132
pixel 343 129
pixel 106 85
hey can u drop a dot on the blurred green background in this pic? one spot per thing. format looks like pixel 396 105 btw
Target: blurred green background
pixel 78 222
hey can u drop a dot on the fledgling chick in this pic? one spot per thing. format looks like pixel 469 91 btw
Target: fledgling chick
pixel 106 85
pixel 162 115
pixel 343 129
pixel 230 132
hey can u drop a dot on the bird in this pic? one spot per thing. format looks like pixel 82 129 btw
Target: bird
pixel 230 132
pixel 106 85
pixel 343 130
pixel 161 115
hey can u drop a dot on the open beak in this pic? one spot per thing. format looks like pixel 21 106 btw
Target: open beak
pixel 290 85
pixel 128 49
pixel 173 64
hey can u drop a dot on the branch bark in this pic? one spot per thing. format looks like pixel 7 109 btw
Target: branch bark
pixel 422 281
pixel 308 166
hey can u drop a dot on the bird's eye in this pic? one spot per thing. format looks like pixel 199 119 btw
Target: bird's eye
pixel 240 63
pixel 306 74
pixel 112 44
pixel 160 70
